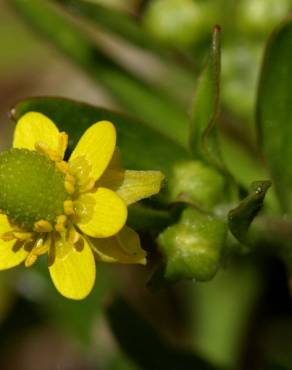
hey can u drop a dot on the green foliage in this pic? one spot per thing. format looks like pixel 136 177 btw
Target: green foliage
pixel 176 22
pixel 242 216
pixel 274 114
pixel 141 342
pixel 140 99
pixel 203 132
pixel 202 213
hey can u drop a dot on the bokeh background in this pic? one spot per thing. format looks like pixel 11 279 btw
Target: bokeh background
pixel 240 320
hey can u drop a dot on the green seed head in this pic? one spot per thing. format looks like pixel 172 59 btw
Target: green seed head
pixel 31 188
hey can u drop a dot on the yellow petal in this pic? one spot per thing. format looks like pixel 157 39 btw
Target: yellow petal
pixel 9 256
pixel 124 247
pixel 114 174
pixel 138 185
pixel 97 146
pixel 106 215
pixel 34 127
pixel 72 270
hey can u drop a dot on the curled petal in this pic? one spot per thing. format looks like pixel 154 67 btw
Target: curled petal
pixel 124 247
pixel 138 185
pixel 72 269
pixel 10 254
pixel 114 175
pixel 34 127
pixel 131 186
pixel 96 146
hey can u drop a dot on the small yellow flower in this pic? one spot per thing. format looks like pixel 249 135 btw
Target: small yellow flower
pixel 73 211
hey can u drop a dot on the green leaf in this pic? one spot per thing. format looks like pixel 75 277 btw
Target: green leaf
pixel 143 345
pixel 274 113
pixel 142 147
pixel 205 110
pixel 128 30
pixel 241 217
pixel 114 21
pixel 146 102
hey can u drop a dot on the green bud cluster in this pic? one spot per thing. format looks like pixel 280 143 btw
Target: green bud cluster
pixel 31 187
pixel 201 184
pixel 192 247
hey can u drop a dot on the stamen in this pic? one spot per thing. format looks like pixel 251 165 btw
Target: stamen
pixel 63 143
pixel 22 235
pixel 44 149
pixel 63 166
pixel 39 249
pixel 70 178
pixel 69 207
pixel 74 236
pixel 70 188
pixel 30 260
pixel 43 226
pixel 88 186
pixel 60 224
pixel 8 236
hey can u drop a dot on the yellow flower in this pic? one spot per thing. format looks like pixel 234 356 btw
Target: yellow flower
pixel 73 211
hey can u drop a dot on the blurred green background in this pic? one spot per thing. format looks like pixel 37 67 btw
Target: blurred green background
pixel 242 319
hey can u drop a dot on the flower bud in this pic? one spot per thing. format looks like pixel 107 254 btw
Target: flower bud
pixel 192 248
pixel 198 183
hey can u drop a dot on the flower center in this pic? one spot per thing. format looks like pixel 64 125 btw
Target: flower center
pixel 31 187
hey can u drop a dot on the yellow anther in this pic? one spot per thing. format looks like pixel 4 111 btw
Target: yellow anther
pixel 63 143
pixel 55 156
pixel 70 178
pixel 43 226
pixel 62 166
pixel 44 149
pixel 74 236
pixel 61 222
pixel 22 235
pixel 70 188
pixel 88 186
pixel 7 237
pixel 68 207
pixel 30 260
pixel 40 247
